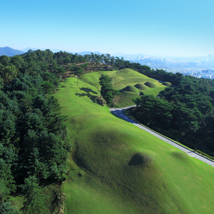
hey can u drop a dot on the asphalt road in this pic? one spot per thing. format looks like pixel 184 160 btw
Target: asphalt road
pixel 120 113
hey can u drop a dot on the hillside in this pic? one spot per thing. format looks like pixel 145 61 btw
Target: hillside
pixel 129 82
pixel 118 168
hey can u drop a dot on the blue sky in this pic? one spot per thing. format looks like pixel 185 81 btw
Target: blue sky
pixel 174 28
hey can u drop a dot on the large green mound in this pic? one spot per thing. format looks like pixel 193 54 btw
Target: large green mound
pixel 141 86
pixel 126 81
pixel 129 89
pixel 127 73
pixel 125 172
pixel 167 84
pixel 150 84
pixel 117 168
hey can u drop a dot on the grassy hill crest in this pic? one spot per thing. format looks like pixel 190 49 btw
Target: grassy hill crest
pixel 116 167
pixel 129 82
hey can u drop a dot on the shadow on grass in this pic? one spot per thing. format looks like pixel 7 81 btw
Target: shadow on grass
pixel 139 159
pixel 88 90
pixel 94 98
pixel 81 95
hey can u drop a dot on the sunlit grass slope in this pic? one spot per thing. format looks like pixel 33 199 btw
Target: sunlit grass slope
pixel 117 168
pixel 129 82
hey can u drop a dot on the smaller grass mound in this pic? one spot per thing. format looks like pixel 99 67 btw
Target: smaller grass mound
pixel 150 84
pixel 140 86
pixel 129 88
pixel 180 155
pixel 167 84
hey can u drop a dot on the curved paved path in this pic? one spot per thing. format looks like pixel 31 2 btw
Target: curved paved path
pixel 120 113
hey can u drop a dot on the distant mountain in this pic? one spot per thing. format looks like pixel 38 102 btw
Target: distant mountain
pixel 9 51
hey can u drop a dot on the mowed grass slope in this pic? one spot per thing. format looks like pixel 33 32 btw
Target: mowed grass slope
pixel 129 82
pixel 115 167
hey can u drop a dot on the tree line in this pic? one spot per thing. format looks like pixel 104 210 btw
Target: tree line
pixel 59 62
pixel 120 63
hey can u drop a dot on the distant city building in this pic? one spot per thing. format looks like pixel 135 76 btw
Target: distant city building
pixel 208 71
pixel 146 57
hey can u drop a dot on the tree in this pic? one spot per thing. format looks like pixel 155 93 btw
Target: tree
pixel 48 87
pixel 8 160
pixel 7 208
pixel 84 65
pixel 107 59
pixel 35 200
pixel 107 90
pixel 8 73
pixel 4 191
pixel 5 60
pixel 18 61
pixel 44 67
pixel 60 71
pixel 67 59
pixel 79 72
pixel 1 82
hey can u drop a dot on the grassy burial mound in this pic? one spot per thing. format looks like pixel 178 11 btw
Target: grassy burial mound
pixel 180 155
pixel 167 84
pixel 141 86
pixel 150 84
pixel 117 168
pixel 129 88
pixel 126 96
pixel 129 82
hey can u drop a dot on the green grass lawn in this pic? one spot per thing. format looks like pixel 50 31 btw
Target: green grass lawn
pixel 129 82
pixel 116 167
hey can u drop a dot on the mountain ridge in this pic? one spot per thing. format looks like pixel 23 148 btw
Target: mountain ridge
pixel 9 51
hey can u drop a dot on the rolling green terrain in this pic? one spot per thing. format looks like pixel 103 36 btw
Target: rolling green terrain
pixel 129 82
pixel 116 167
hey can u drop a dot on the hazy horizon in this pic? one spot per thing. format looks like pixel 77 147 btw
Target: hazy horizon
pixel 166 28
pixel 115 54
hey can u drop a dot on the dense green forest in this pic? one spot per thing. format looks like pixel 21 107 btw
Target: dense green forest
pixel 33 137
pixel 34 143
